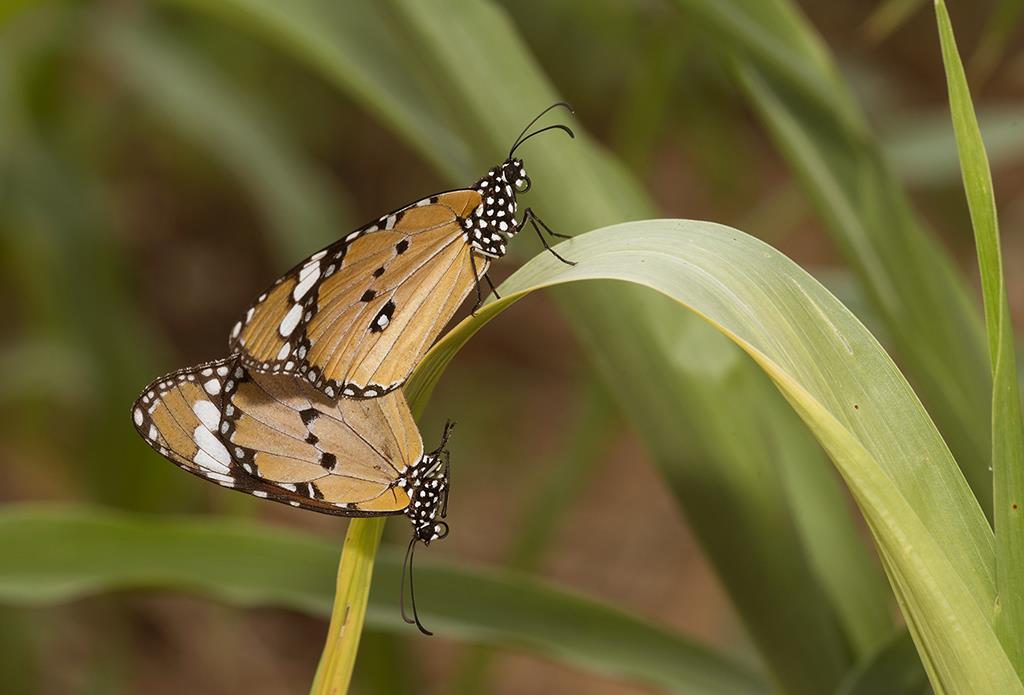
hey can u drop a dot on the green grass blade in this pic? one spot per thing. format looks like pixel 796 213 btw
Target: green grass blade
pixel 356 46
pixel 66 553
pixel 895 669
pixel 933 326
pixel 1000 27
pixel 774 34
pixel 475 77
pixel 889 16
pixel 913 287
pixel 925 521
pixel 921 145
pixel 198 100
pixel 1007 423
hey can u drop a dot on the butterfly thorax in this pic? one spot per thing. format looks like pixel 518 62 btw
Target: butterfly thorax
pixel 426 483
pixel 491 225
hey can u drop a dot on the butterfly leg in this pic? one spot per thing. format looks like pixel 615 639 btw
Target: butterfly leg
pixel 476 278
pixel 448 483
pixel 531 217
pixel 546 228
pixel 491 284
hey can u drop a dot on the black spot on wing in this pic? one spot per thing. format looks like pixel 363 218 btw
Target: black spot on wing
pixel 402 246
pixel 368 295
pixel 383 317
pixel 309 415
pixel 328 461
pixel 377 273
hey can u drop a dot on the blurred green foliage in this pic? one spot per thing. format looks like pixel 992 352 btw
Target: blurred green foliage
pixel 160 161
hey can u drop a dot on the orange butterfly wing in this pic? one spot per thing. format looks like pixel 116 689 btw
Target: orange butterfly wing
pixel 355 318
pixel 278 438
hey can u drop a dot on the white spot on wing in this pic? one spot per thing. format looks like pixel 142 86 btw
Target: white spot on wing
pixel 212 387
pixel 306 282
pixel 290 320
pixel 211 454
pixel 207 462
pixel 207 413
pixel 283 352
pixel 137 415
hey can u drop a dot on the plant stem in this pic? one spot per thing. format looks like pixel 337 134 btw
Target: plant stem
pixel 352 592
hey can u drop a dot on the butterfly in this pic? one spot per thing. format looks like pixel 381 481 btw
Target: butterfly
pixel 276 437
pixel 355 318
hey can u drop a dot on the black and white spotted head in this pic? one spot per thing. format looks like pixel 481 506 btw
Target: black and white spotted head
pixel 426 483
pixel 492 224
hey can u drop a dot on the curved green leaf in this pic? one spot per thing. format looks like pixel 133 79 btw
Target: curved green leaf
pixel 929 528
pixel 914 288
pixel 65 553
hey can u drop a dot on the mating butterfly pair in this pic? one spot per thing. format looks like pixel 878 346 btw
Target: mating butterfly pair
pixel 307 411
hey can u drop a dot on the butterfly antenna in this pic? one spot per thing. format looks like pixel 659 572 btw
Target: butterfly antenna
pixel 521 139
pixel 557 126
pixel 410 559
pixel 405 572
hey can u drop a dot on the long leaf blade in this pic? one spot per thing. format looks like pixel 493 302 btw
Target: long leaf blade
pixel 1007 424
pixel 912 285
pixel 937 544
pixel 66 553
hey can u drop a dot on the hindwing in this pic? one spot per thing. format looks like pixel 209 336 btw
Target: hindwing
pixel 278 438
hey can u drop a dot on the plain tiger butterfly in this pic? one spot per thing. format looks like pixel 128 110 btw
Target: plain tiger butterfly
pixel 355 318
pixel 276 437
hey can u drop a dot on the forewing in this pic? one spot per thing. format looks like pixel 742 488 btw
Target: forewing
pixel 278 438
pixel 356 317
